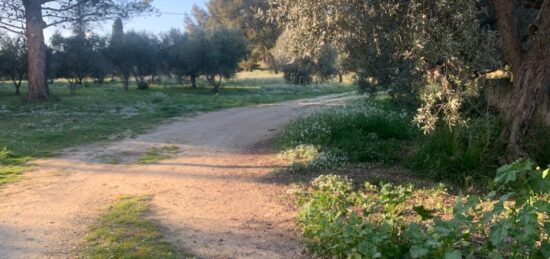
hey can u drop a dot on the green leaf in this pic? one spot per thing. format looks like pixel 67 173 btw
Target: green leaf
pixel 538 183
pixel 498 234
pixel 453 255
pixel 508 173
pixel 545 173
pixel 418 251
pixel 505 175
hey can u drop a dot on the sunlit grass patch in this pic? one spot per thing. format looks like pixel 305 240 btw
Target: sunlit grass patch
pixel 124 232
pixel 155 154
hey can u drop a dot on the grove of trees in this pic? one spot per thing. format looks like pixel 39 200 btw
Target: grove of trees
pixel 433 51
pixel 213 52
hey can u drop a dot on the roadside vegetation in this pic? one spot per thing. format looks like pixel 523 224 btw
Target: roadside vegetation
pixel 455 206
pixel 125 232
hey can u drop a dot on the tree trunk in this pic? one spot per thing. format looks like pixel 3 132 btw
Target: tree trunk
pixel 194 82
pixel 340 78
pixel 531 70
pixel 531 84
pixel 126 82
pixel 36 49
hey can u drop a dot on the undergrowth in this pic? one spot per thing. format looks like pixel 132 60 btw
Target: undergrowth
pixel 388 221
pixel 465 155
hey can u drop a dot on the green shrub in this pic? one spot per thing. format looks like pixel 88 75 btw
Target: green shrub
pixel 362 131
pixel 461 155
pixel 299 72
pixel 389 221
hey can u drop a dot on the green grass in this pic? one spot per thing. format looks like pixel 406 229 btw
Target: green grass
pixel 154 155
pixel 102 112
pixel 124 232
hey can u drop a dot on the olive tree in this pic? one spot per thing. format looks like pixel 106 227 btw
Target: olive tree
pixel 78 56
pixel 140 51
pixel 13 60
pixel 227 48
pixel 443 44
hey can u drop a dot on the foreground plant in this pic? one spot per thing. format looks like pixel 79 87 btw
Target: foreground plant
pixel 389 221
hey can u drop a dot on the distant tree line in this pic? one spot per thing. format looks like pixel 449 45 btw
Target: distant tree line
pixel 212 52
pixel 227 36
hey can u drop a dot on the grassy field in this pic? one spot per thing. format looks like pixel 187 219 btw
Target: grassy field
pixel 124 232
pixel 106 112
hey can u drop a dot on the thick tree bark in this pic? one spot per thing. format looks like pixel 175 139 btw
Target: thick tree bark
pixel 38 84
pixel 531 70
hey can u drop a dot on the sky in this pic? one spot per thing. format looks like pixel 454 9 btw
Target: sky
pixel 170 16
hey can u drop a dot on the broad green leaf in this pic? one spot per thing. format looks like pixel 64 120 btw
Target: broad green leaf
pixel 538 183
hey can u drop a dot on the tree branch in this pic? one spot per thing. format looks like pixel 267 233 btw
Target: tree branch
pixel 507 21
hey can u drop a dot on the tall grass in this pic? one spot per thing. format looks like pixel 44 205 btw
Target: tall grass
pixel 463 155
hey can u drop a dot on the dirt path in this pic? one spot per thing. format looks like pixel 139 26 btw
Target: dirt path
pixel 207 200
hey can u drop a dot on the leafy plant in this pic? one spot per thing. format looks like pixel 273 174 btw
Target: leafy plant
pixel 389 221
